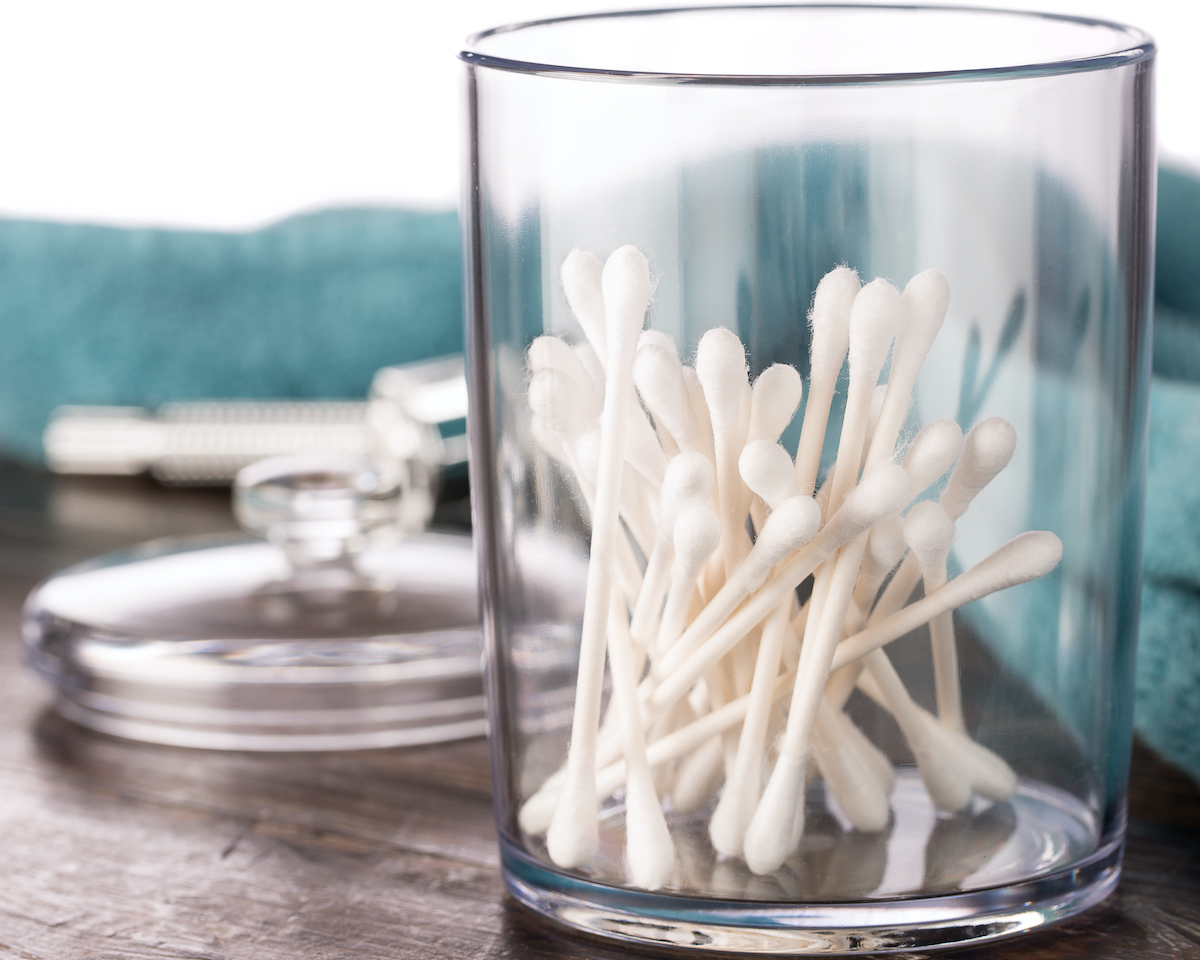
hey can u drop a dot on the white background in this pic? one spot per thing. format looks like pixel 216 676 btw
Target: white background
pixel 232 113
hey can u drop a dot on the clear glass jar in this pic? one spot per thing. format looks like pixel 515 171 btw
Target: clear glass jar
pixel 880 773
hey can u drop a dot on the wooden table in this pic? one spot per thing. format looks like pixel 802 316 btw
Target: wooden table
pixel 114 849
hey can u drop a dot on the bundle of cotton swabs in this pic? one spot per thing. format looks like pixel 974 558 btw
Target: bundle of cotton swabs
pixel 723 684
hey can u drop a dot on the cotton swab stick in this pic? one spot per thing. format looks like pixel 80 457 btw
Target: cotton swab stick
pixel 697 534
pixel 573 837
pixel 1025 557
pixel 649 849
pixel 721 367
pixel 930 534
pixel 581 275
pixel 688 482
pixel 777 392
pixel 830 338
pixel 882 492
pixel 923 308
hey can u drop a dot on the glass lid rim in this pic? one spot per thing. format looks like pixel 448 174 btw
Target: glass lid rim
pixel 1141 48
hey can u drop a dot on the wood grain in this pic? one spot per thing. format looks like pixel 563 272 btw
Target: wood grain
pixel 112 849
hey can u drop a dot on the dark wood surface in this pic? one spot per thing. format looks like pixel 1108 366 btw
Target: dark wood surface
pixel 113 849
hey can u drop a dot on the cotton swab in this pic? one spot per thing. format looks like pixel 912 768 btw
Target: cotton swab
pixel 944 780
pixel 830 339
pixel 989 776
pixel 649 849
pixel 721 367
pixel 767 470
pixel 1025 557
pixel 573 837
pixel 930 533
pixel 659 378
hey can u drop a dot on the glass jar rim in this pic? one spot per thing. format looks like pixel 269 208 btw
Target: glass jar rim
pixel 1139 48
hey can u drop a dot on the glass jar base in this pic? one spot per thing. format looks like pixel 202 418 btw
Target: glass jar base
pixel 749 927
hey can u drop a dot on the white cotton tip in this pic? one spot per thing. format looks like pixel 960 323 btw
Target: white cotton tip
pixel 721 367
pixel 561 405
pixel 587 453
pixel 872 327
pixel 929 532
pixel 537 812
pixel 699 777
pixel 923 308
pixel 830 321
pixel 697 534
pixel 649 850
pixel 932 453
pixel 658 376
pixel 580 274
pixel 554 353
pixel 850 779
pixel 776 395
pixel 775 828
pixel 768 471
pixel 884 548
pixel 880 493
pixel 657 338
pixel 986 451
pixel 688 482
pixel 627 290
pixel 574 833
pixel 945 781
pixel 989 775
pixel 789 527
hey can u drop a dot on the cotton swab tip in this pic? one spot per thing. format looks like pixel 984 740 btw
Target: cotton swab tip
pixel 689 479
pixel 932 453
pixel 881 492
pixel 986 451
pixel 929 532
pixel 627 289
pixel 830 319
pixel 721 367
pixel 790 525
pixel 777 393
pixel 872 327
pixel 697 533
pixel 767 469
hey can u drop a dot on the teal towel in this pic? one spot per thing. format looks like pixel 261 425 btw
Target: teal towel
pixel 310 307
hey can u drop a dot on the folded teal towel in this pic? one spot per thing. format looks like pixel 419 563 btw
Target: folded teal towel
pixel 310 307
